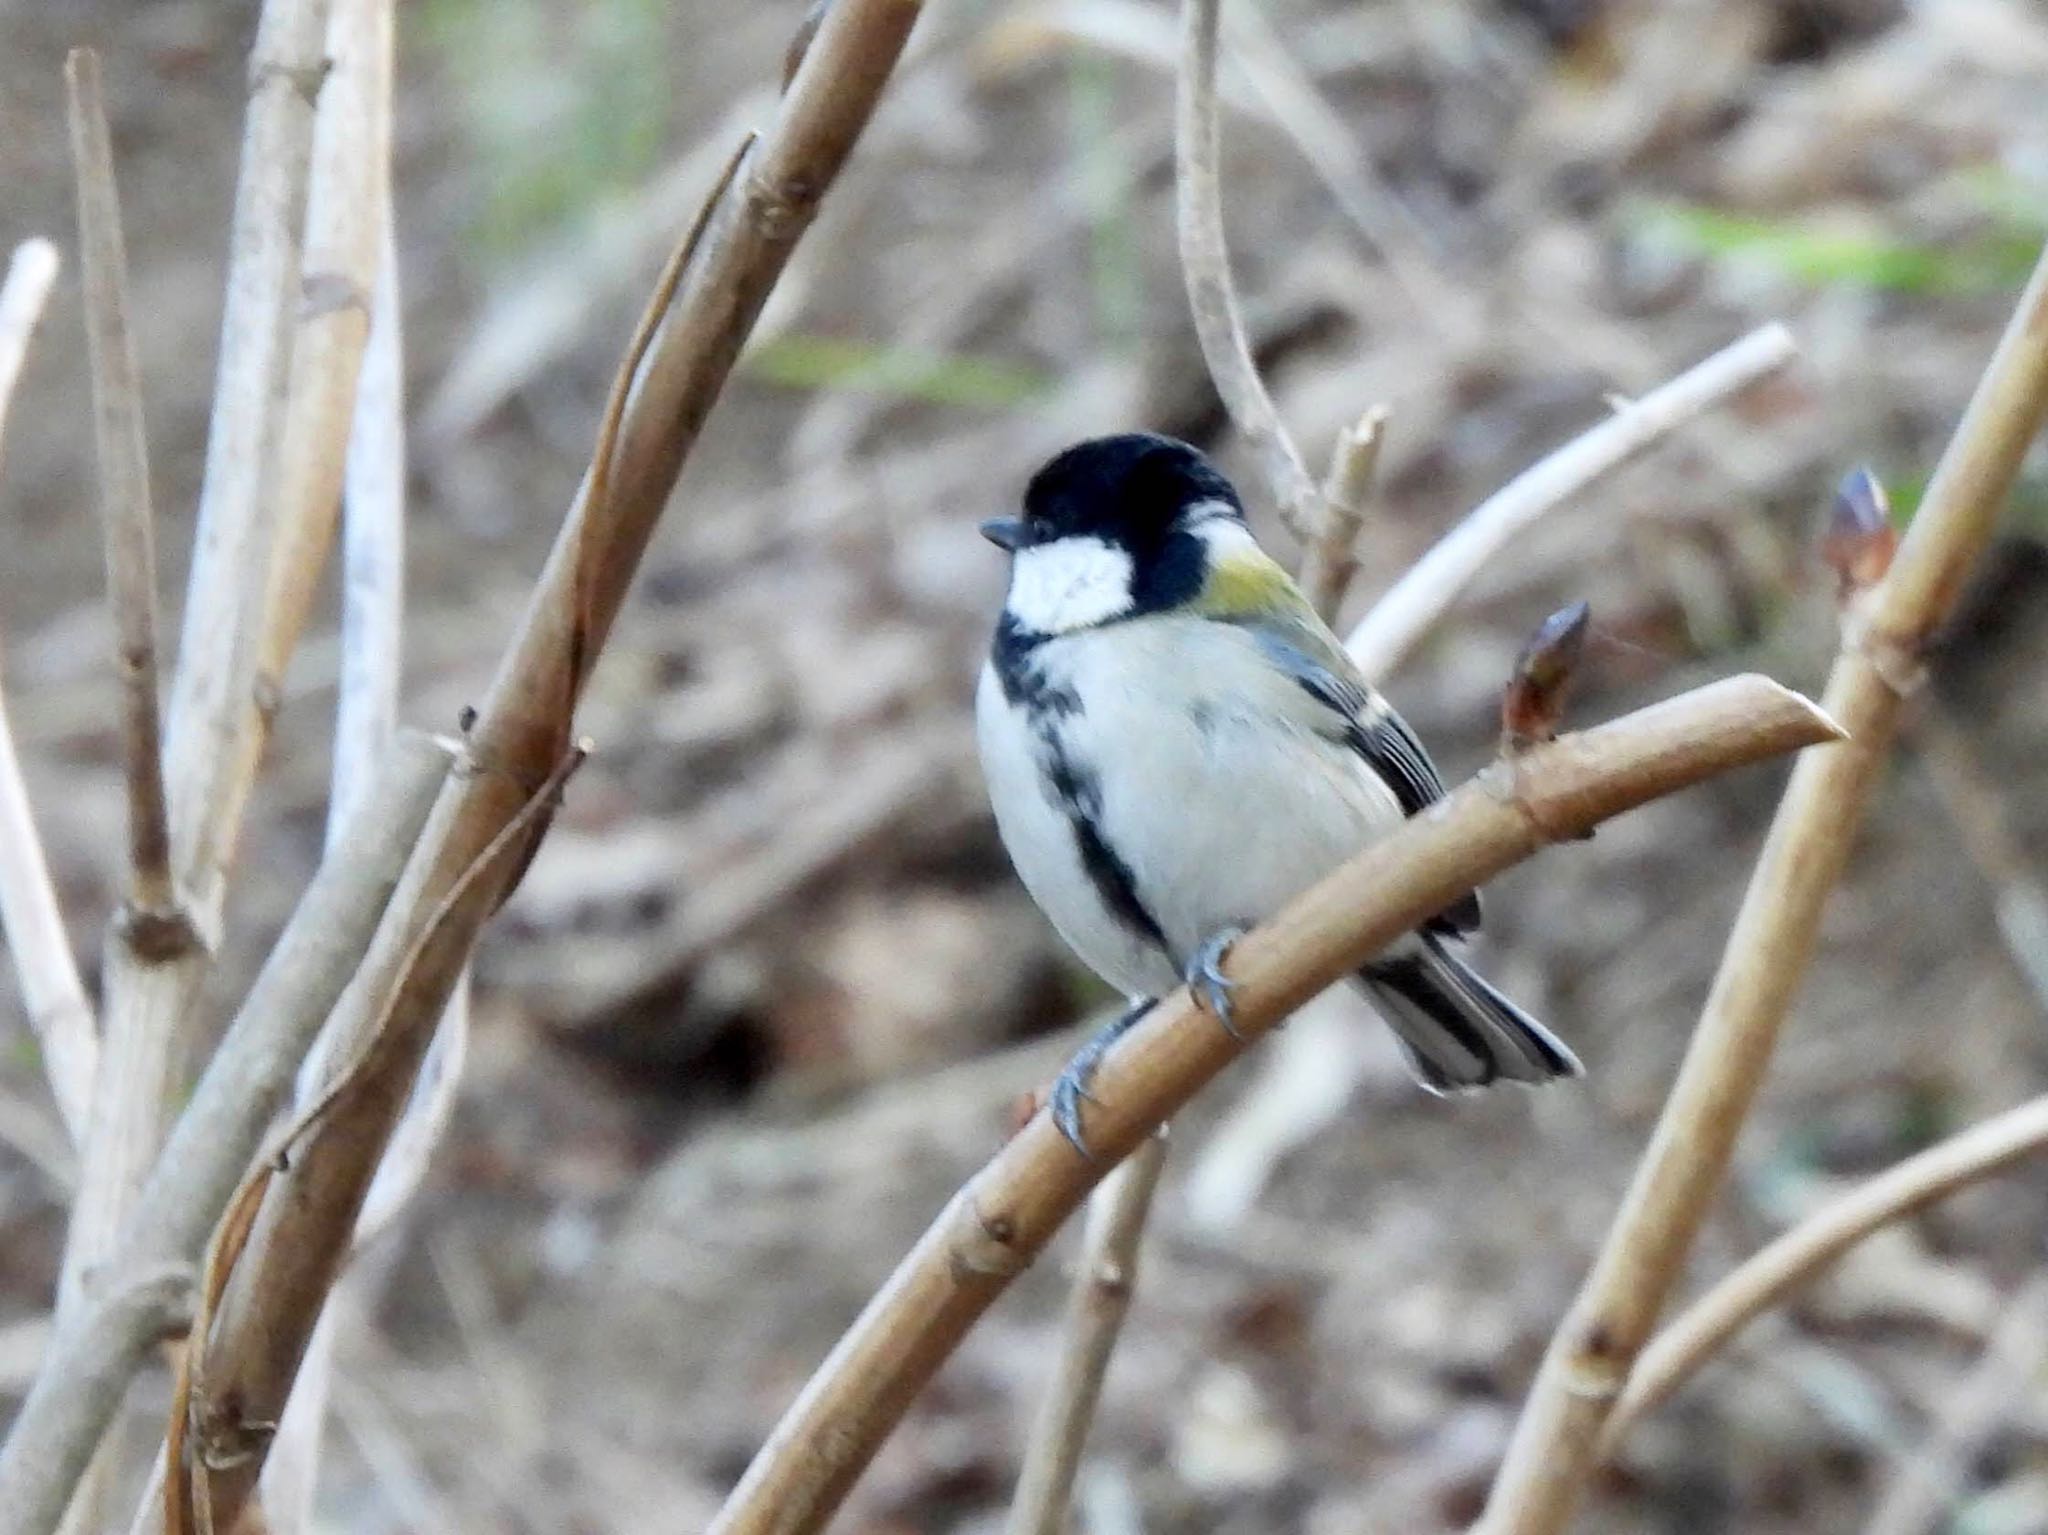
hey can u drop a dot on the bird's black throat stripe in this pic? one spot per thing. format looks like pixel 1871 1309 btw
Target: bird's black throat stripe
pixel 1072 784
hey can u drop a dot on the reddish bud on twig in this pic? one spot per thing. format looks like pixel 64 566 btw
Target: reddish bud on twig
pixel 1532 706
pixel 1859 540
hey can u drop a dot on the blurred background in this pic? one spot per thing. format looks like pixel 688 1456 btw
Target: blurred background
pixel 770 993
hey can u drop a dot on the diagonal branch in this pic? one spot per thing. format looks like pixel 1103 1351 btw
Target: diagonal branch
pixel 1399 620
pixel 1003 1217
pixel 671 379
pixel 98 1347
pixel 1555 1445
pixel 1798 1257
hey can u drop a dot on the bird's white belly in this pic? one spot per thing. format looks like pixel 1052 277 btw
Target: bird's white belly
pixel 1217 796
pixel 1039 837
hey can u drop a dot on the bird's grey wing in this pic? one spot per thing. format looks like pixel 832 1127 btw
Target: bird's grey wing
pixel 1365 722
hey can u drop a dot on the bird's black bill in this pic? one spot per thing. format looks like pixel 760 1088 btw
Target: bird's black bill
pixel 1004 532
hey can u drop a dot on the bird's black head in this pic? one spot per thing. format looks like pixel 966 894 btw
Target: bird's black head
pixel 1137 494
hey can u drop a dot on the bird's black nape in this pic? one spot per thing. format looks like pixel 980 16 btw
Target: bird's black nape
pixel 1128 490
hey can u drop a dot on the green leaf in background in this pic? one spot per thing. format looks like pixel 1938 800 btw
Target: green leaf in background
pixel 1814 256
pixel 802 361
pixel 1116 271
pixel 560 107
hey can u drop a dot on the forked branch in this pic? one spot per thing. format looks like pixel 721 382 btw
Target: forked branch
pixel 1885 632
pixel 1798 1257
pixel 1006 1213
pixel 673 374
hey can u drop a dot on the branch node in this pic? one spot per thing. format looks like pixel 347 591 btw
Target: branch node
pixel 986 1246
pixel 159 934
pixel 1899 663
pixel 304 80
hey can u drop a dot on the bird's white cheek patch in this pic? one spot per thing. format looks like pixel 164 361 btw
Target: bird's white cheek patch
pixel 1074 583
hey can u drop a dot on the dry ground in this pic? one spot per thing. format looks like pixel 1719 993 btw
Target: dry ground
pixel 769 993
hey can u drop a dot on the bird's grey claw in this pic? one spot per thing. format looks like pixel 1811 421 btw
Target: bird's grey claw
pixel 1070 1091
pixel 1205 978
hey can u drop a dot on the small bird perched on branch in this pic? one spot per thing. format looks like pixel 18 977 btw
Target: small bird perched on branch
pixel 1176 745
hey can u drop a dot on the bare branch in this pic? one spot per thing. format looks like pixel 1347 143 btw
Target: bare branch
pixel 154 970
pixel 51 990
pixel 94 1354
pixel 1798 1257
pixel 1400 619
pixel 1095 1315
pixel 1273 1114
pixel 1331 559
pixel 691 337
pixel 1003 1217
pixel 1205 264
pixel 1590 1357
pixel 366 712
pixel 126 520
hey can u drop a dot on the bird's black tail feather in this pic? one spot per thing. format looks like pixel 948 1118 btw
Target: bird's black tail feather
pixel 1457 1031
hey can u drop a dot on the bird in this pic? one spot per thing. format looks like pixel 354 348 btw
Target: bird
pixel 1175 745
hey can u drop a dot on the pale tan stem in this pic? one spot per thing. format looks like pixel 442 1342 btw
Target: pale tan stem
pixel 345 202
pixel 154 970
pixel 695 326
pixel 1003 1217
pixel 366 712
pixel 127 523
pixel 1588 1363
pixel 1399 620
pixel 1331 559
pixel 1095 1315
pixel 51 992
pixel 91 1358
pixel 1797 1258
pixel 1205 266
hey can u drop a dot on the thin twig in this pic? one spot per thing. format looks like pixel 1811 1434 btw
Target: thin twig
pixel 1095 1315
pixel 1331 559
pixel 1003 1217
pixel 1205 264
pixel 197 1410
pixel 1400 619
pixel 525 720
pixel 127 522
pixel 1588 1363
pixel 51 991
pixel 1798 1257
pixel 91 1359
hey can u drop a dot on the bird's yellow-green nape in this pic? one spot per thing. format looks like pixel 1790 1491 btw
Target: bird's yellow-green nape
pixel 1246 583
